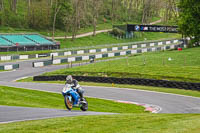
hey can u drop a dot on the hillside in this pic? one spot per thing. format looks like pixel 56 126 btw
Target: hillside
pixel 72 17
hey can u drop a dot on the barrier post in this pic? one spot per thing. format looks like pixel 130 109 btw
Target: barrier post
pixel 127 61
pixel 113 84
pixel 185 61
pixel 144 61
pixel 163 61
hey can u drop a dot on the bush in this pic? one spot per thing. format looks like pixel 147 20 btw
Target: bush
pixel 117 32
pixel 16 21
pixel 8 18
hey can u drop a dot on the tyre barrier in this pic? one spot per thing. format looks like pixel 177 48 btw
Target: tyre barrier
pixel 122 46
pixel 105 55
pixel 134 81
pixel 9 67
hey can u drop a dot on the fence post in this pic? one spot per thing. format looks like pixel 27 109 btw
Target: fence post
pixel 163 61
pixel 185 61
pixel 127 61
pixel 144 61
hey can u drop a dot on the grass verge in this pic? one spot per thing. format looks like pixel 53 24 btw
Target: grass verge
pixel 123 123
pixel 25 52
pixel 169 65
pixel 30 98
pixel 105 38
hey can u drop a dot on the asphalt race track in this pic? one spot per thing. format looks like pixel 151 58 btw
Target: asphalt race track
pixel 14 114
pixel 169 103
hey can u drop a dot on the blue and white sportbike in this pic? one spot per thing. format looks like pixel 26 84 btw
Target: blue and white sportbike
pixel 72 98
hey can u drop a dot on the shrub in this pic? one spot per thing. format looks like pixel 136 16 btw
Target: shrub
pixel 117 32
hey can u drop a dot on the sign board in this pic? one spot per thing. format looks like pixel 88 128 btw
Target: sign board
pixel 152 28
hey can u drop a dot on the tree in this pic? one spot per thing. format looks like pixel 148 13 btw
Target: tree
pixel 77 15
pixel 189 20
pixel 13 5
pixel 146 11
pixel 170 10
pixel 96 4
pixel 67 19
pixel 38 16
pixel 52 14
pixel 59 6
pixel 56 10
pixel 29 6
pixel 1 5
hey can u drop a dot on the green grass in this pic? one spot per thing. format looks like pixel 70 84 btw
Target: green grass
pixel 30 98
pixel 58 33
pixel 155 19
pixel 169 23
pixel 184 66
pixel 26 52
pixel 105 38
pixel 139 87
pixel 123 123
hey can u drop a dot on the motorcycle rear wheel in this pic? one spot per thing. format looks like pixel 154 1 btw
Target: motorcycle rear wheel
pixel 84 106
pixel 68 103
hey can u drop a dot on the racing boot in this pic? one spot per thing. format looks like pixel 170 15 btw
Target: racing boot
pixel 80 94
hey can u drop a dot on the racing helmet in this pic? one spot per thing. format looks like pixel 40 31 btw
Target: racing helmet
pixel 69 79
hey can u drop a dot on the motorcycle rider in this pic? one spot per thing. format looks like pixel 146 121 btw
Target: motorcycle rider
pixel 75 85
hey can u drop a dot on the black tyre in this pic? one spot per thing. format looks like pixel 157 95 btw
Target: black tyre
pixel 68 103
pixel 84 105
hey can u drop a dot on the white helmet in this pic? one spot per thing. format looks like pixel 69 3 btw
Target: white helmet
pixel 69 79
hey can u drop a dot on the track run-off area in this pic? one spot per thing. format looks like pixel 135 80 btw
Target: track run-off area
pixel 167 103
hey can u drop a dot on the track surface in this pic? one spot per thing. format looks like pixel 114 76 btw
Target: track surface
pixel 14 114
pixel 170 103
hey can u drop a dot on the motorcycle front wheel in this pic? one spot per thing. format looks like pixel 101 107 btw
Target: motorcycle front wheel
pixel 68 102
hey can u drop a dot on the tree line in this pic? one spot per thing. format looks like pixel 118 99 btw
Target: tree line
pixel 189 20
pixel 72 15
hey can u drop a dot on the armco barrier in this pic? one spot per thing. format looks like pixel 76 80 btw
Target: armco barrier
pixel 124 46
pixel 135 81
pixel 97 56
pixel 9 67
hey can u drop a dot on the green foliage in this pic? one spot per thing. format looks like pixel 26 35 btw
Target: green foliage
pixel 39 14
pixel 11 19
pixel 189 23
pixel 65 11
pixel 117 32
